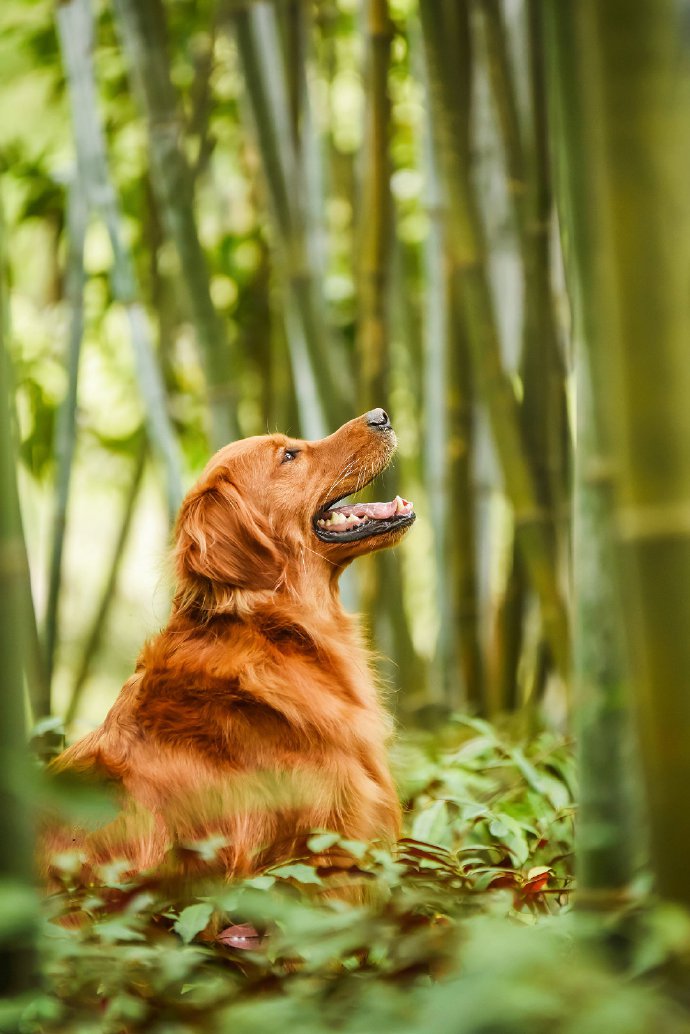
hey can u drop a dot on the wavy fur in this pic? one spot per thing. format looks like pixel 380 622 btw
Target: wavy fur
pixel 253 716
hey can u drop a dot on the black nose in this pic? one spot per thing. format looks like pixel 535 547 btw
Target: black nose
pixel 378 418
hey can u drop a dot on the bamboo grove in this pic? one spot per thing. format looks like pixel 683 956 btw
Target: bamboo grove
pixel 244 215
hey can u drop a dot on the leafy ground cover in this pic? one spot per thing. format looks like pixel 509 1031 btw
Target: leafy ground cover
pixel 468 927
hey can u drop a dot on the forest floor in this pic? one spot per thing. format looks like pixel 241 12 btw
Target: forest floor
pixel 470 929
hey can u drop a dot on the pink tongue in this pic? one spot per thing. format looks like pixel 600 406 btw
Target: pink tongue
pixel 375 511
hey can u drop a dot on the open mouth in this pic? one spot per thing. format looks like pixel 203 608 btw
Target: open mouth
pixel 360 520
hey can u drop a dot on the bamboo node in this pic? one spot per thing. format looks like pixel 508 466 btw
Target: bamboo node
pixel 525 518
pixel 670 520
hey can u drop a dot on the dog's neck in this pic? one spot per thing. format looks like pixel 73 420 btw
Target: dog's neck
pixel 319 629
pixel 310 590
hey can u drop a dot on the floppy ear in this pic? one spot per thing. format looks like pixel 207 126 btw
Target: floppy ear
pixel 223 539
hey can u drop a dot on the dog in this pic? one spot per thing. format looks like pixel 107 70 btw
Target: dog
pixel 253 718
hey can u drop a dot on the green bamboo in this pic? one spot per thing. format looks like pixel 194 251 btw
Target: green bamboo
pixel 543 372
pixel 75 31
pixel 543 412
pixel 293 22
pixel 625 82
pixel 98 625
pixel 320 377
pixel 375 214
pixel 202 103
pixel 445 28
pixel 37 682
pixel 509 617
pixel 444 686
pixel 462 502
pixel 608 842
pixel 374 230
pixel 144 36
pixel 17 972
pixel 66 429
pixel 506 688
pixel 449 462
pixel 504 98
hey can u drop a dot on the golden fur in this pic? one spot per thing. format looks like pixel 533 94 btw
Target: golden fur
pixel 252 717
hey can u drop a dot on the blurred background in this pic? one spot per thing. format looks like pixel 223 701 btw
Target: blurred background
pixel 220 220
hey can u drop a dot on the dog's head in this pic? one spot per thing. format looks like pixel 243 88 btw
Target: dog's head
pixel 267 504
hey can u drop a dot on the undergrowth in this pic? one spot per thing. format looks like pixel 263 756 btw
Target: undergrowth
pixel 469 929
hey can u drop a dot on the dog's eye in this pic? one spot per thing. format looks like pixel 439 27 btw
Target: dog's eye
pixel 289 454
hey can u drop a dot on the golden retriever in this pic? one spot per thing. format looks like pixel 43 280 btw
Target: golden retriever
pixel 253 717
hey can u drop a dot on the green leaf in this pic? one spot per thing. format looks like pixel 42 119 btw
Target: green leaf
pixel 297 871
pixel 356 848
pixel 260 882
pixel 322 841
pixel 118 930
pixel 432 825
pixel 124 1007
pixel 509 833
pixel 192 920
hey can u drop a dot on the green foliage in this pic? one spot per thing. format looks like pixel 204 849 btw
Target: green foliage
pixel 434 941
pixel 502 808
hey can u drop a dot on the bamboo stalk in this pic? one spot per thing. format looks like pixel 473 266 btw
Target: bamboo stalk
pixel 75 30
pixel 66 429
pixel 461 519
pixel 37 682
pixel 374 238
pixel 202 103
pixel 509 617
pixel 17 972
pixel 445 685
pixel 504 97
pixel 293 24
pixel 543 413
pixel 143 31
pixel 449 460
pixel 625 84
pixel 609 840
pixel 320 377
pixel 445 28
pixel 508 638
pixel 375 214
pixel 95 635
pixel 608 843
